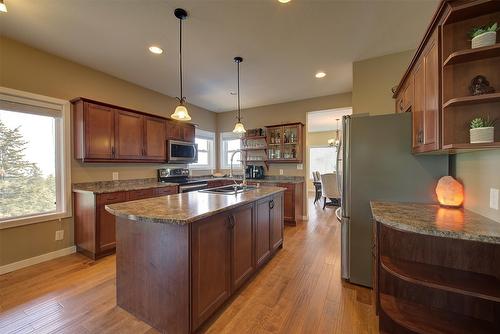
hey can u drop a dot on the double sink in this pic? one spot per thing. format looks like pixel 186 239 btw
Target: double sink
pixel 229 190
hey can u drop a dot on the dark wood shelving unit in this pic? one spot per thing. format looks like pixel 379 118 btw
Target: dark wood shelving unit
pixel 465 11
pixel 471 147
pixel 476 99
pixel 449 279
pixel 424 320
pixel 255 137
pixel 255 149
pixel 468 55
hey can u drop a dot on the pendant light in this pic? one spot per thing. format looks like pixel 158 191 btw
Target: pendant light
pixel 335 142
pixel 3 7
pixel 181 112
pixel 238 127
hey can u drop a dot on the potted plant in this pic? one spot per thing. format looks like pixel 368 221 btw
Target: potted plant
pixel 484 35
pixel 482 130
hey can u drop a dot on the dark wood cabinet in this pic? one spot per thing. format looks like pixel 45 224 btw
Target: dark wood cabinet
pixel 106 133
pixel 285 143
pixel 426 100
pixel 154 138
pixel 128 135
pixel 262 231
pixel 211 282
pixel 180 131
pixel 276 222
pixel 95 227
pixel 242 255
pixel 96 124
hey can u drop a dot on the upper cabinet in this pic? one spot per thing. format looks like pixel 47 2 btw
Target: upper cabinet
pixel 180 131
pixel 285 143
pixel 437 87
pixel 104 133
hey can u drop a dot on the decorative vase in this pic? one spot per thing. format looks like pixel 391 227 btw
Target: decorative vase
pixel 482 135
pixel 485 39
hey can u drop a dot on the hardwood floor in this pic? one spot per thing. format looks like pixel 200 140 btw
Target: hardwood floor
pixel 299 291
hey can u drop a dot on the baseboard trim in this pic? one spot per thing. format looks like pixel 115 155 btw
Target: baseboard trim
pixel 37 259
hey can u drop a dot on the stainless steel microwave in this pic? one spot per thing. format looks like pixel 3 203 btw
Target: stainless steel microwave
pixel 181 152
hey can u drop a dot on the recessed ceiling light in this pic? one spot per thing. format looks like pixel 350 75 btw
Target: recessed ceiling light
pixel 320 75
pixel 156 50
pixel 284 1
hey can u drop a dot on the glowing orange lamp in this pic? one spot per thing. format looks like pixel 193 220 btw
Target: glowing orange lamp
pixel 450 192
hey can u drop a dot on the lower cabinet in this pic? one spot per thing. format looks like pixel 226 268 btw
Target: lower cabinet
pixel 210 263
pixel 95 228
pixel 226 250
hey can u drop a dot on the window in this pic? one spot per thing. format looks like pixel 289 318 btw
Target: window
pixel 322 159
pixel 206 150
pixel 34 178
pixel 230 142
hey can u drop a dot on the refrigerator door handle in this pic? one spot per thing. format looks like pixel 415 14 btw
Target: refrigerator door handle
pixel 337 164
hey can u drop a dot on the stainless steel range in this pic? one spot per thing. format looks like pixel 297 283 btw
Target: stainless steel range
pixel 181 176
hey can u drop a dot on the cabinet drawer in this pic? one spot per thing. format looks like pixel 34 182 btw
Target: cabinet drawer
pixel 166 191
pixel 140 194
pixel 110 198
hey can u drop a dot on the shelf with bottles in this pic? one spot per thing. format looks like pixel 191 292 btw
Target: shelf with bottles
pixel 285 143
pixel 254 140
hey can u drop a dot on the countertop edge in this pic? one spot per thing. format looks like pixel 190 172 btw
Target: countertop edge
pixel 159 220
pixel 433 232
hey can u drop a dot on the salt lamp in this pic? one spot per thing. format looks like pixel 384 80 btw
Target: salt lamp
pixel 450 192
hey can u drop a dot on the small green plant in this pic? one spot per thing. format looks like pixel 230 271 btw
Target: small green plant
pixel 476 31
pixel 480 122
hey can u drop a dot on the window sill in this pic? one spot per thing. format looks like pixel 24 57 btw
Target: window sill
pixel 42 218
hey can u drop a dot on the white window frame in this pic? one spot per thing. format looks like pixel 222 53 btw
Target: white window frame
pixel 224 137
pixel 309 157
pixel 63 154
pixel 210 136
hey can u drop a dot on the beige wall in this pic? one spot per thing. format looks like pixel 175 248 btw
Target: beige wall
pixel 28 69
pixel 479 171
pixel 373 80
pixel 316 139
pixel 295 111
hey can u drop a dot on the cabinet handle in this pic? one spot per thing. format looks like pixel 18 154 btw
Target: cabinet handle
pixel 113 150
pixel 231 221
pixel 401 105
pixel 271 204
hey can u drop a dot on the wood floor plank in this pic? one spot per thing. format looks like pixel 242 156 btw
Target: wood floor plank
pixel 298 291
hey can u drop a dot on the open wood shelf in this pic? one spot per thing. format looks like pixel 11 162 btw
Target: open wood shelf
pixel 254 149
pixel 464 56
pixel 254 137
pixel 466 11
pixel 448 279
pixel 283 160
pixel 461 101
pixel 469 146
pixel 425 320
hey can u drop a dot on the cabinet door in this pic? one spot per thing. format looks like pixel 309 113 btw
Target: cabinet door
pixel 135 195
pixel 242 261
pixel 173 130
pixel 128 135
pixel 188 133
pixel 262 232
pixel 164 191
pixel 211 281
pixel 431 113
pixel 408 94
pixel 154 139
pixel 99 131
pixel 106 226
pixel 418 106
pixel 289 202
pixel 276 222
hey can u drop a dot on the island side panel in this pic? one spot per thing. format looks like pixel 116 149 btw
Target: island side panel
pixel 152 273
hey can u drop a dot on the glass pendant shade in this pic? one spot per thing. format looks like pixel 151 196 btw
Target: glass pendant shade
pixel 239 128
pixel 3 7
pixel 181 113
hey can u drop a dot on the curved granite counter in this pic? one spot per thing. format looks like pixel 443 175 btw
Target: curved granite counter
pixel 431 219
pixel 187 207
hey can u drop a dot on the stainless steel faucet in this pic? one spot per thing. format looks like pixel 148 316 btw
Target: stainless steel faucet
pixel 242 163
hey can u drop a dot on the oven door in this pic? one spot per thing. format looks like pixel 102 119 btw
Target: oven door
pixel 181 152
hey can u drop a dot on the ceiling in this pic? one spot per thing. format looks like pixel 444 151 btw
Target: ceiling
pixel 326 120
pixel 283 45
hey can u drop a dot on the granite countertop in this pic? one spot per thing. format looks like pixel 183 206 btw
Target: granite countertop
pixel 102 187
pixel 431 219
pixel 187 207
pixel 267 179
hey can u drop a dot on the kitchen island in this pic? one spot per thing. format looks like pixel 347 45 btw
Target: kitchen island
pixel 180 257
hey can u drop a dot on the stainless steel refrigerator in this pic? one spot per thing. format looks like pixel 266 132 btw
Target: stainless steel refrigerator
pixel 375 163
